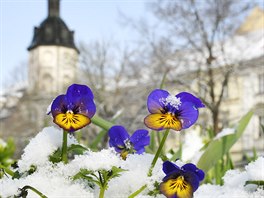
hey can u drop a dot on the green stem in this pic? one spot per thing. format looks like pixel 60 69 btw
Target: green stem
pixel 101 122
pixel 102 191
pixel 64 155
pixel 34 190
pixel 137 192
pixel 154 161
pixel 7 170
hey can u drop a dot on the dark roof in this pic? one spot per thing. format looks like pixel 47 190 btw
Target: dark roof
pixel 53 30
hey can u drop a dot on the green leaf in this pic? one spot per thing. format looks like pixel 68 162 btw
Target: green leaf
pixel 77 149
pixel 217 148
pixel 98 139
pixel 56 156
pixel 115 172
pixel 256 182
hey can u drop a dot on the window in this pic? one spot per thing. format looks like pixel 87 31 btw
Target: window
pixel 261 126
pixel 261 83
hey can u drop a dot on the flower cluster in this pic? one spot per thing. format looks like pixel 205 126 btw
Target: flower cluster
pixel 75 109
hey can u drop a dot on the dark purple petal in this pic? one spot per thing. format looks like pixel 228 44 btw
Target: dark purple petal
pixel 173 175
pixel 191 167
pixel 76 91
pixel 187 97
pixel 169 167
pixel 192 179
pixel 118 135
pixel 200 174
pixel 140 139
pixel 80 99
pixel 140 151
pixel 59 105
pixel 154 103
pixel 187 114
pixel 85 106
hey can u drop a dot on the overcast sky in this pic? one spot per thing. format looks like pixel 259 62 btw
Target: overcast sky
pixel 90 19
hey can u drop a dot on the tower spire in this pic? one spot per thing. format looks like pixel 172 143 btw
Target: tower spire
pixel 54 8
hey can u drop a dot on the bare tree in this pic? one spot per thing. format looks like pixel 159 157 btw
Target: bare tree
pixel 17 75
pixel 201 28
pixel 109 70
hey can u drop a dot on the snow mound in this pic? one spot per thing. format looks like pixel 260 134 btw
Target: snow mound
pixel 234 183
pixel 56 180
pixel 40 147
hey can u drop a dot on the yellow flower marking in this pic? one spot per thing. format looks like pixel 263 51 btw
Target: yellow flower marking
pixel 70 121
pixel 178 187
pixel 159 121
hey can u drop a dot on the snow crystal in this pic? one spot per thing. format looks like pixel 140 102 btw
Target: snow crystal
pixel 39 148
pixel 255 170
pixel 224 132
pixel 234 183
pixel 49 108
pixel 55 180
pixel 48 180
pixel 235 178
pixel 105 159
pixel 135 176
pixel 171 100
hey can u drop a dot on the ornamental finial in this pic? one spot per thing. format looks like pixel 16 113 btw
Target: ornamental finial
pixel 54 8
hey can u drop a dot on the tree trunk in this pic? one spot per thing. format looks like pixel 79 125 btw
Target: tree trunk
pixel 215 115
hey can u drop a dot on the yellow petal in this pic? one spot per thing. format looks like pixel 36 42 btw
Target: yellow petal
pixel 178 187
pixel 159 121
pixel 71 122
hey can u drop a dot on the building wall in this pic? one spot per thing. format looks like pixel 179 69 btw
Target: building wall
pixel 51 69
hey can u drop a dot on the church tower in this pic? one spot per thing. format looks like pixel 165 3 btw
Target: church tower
pixel 53 55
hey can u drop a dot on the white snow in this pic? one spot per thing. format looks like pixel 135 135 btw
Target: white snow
pixel 171 100
pixel 55 180
pixel 224 132
pixel 39 148
pixel 256 170
pixel 234 183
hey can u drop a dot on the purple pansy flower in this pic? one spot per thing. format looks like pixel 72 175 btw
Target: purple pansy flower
pixel 124 144
pixel 172 112
pixel 75 109
pixel 180 182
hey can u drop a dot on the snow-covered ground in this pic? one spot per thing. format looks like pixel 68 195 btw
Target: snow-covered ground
pixel 55 180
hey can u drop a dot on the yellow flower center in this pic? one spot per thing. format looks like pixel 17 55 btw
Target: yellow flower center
pixel 178 187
